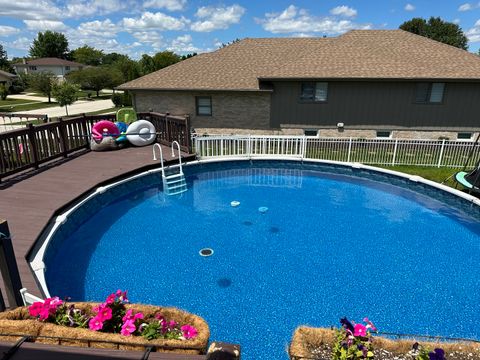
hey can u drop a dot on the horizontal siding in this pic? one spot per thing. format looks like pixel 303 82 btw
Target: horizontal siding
pixel 376 104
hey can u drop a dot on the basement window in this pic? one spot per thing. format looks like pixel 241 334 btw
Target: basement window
pixel 310 132
pixel 204 105
pixel 464 136
pixel 429 93
pixel 384 134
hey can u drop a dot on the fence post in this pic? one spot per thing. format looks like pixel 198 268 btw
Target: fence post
pixel 187 134
pixel 249 146
pixel 395 152
pixel 349 149
pixel 33 144
pixel 441 153
pixel 8 267
pixel 63 137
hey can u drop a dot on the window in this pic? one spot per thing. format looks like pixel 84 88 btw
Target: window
pixel 429 93
pixel 32 68
pixel 314 91
pixel 464 136
pixel 310 132
pixel 67 68
pixel 384 134
pixel 204 105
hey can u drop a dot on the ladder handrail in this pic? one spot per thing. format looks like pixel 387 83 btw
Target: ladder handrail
pixel 161 156
pixel 179 154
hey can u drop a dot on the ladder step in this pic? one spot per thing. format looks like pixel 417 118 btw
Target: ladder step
pixel 171 182
pixel 173 176
pixel 177 187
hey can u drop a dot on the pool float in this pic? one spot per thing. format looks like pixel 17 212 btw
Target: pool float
pixel 122 127
pixel 141 133
pixel 126 115
pixel 105 144
pixel 104 128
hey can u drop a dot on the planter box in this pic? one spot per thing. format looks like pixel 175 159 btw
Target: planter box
pixel 17 323
pixel 317 343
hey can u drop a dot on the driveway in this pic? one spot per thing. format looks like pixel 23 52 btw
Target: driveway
pixel 79 107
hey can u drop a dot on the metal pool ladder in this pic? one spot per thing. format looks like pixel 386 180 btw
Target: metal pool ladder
pixel 173 182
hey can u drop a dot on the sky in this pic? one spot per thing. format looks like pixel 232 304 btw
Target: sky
pixel 136 27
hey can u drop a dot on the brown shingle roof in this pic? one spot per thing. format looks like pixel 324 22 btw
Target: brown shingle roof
pixel 49 62
pixel 7 74
pixel 358 54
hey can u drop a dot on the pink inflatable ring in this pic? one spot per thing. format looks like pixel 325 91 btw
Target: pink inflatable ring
pixel 104 128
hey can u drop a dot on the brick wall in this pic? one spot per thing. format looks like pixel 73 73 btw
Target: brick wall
pixel 239 110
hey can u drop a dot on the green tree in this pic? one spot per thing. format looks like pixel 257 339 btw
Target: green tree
pixel 147 65
pixel 128 68
pixel 188 56
pixel 96 78
pixel 65 93
pixel 43 82
pixel 88 55
pixel 437 29
pixel 165 58
pixel 4 63
pixel 50 44
pixel 110 59
pixel 3 92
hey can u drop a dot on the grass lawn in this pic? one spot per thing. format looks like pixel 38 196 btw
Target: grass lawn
pixel 81 95
pixel 104 111
pixel 431 173
pixel 14 105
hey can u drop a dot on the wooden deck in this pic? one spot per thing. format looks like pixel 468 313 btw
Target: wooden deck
pixel 51 352
pixel 29 204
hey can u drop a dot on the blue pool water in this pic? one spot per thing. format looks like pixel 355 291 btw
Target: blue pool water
pixel 328 246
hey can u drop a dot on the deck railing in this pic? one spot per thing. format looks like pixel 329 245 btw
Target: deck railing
pixel 439 153
pixel 34 145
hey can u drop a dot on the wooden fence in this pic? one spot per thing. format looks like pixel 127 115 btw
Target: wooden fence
pixel 34 145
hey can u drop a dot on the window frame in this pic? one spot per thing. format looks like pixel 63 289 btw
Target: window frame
pixel 32 68
pixel 428 94
pixel 465 139
pixel 197 106
pixel 390 133
pixel 313 100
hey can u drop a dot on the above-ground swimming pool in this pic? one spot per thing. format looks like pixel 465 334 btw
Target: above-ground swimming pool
pixel 307 244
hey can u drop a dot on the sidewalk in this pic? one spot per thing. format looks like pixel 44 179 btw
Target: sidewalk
pixel 78 107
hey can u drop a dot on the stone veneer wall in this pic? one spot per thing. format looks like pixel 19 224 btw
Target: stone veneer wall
pixel 239 110
pixel 334 133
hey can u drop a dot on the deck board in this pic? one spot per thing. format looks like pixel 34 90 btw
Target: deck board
pixel 29 204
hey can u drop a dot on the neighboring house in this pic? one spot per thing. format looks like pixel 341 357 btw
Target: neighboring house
pixel 364 83
pixel 58 67
pixel 6 78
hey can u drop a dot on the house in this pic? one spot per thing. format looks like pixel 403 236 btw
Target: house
pixel 59 67
pixel 6 78
pixel 364 83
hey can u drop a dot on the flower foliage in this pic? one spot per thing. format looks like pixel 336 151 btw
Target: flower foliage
pixel 111 316
pixel 354 341
pixel 425 354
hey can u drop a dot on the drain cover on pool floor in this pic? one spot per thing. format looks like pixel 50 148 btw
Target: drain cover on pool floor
pixel 206 252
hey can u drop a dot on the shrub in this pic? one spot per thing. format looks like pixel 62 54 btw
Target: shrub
pixel 127 99
pixel 117 99
pixel 3 92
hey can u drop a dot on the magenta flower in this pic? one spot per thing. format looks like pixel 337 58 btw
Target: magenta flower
pixel 128 328
pixel 189 332
pixel 128 315
pixel 104 313
pixel 370 324
pixel 95 324
pixel 360 330
pixel 35 308
pixel 110 299
pixel 138 316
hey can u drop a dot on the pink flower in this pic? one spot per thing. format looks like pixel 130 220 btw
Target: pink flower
pixel 370 324
pixel 128 328
pixel 138 316
pixel 110 299
pixel 95 324
pixel 128 315
pixel 105 313
pixel 44 313
pixel 159 317
pixel 360 330
pixel 35 308
pixel 189 332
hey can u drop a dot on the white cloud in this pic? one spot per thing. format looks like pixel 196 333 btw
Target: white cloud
pixel 83 8
pixel 473 34
pixel 344 11
pixel 295 20
pixel 157 21
pixel 456 21
pixel 21 43
pixel 97 28
pixel 465 7
pixel 41 25
pixel 8 30
pixel 170 5
pixel 215 18
pixel 182 44
pixel 151 38
pixel 30 9
pixel 409 7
